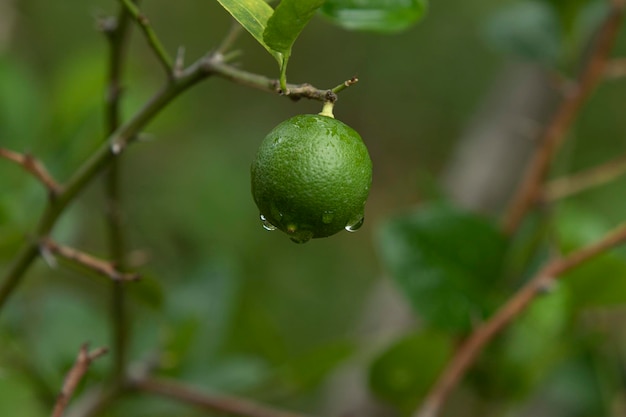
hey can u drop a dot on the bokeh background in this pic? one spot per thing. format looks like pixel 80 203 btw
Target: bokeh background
pixel 228 305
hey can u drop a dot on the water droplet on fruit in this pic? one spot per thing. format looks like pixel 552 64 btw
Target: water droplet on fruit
pixel 298 235
pixel 266 223
pixel 327 217
pixel 356 224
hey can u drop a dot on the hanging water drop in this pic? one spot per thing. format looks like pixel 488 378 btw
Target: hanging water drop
pixel 266 223
pixel 355 225
pixel 298 235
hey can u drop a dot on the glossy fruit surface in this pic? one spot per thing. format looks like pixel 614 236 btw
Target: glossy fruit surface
pixel 311 177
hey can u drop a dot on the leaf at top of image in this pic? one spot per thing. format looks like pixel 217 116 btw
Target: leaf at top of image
pixel 447 263
pixel 288 20
pixel 253 16
pixel 383 16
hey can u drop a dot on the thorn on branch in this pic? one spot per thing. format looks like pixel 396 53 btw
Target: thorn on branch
pixel 107 25
pixel 75 375
pixel 151 37
pixel 35 168
pixel 86 260
pixel 143 19
pixel 179 63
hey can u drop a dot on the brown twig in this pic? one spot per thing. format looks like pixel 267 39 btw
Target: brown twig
pixel 97 265
pixel 590 178
pixel 34 167
pixel 74 376
pixel 212 402
pixel 592 73
pixel 473 345
pixel 216 65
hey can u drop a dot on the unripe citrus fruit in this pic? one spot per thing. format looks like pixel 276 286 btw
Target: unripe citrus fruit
pixel 311 177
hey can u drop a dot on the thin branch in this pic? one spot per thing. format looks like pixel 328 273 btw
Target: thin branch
pixel 483 334
pixel 151 37
pixel 590 178
pixel 211 402
pixel 74 376
pixel 118 44
pixel 345 84
pixel 230 38
pixel 88 261
pixel 34 167
pixel 554 135
pixel 218 67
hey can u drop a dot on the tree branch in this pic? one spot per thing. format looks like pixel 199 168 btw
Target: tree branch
pixel 35 168
pixel 581 181
pixel 151 37
pixel 90 262
pixel 483 334
pixel 215 65
pixel 593 72
pixel 74 376
pixel 211 402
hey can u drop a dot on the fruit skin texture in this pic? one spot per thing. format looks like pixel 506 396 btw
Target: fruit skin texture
pixel 311 177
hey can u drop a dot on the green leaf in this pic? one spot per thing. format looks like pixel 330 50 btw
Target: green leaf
pixel 253 16
pixel 528 29
pixel 384 16
pixel 447 262
pixel 403 373
pixel 284 26
pixel 288 20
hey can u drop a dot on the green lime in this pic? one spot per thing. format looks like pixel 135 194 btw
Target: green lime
pixel 311 177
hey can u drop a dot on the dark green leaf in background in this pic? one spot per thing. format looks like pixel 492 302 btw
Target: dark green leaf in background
pixel 447 262
pixel 384 16
pixel 527 29
pixel 403 373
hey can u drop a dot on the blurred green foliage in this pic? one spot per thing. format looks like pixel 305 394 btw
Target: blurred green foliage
pixel 234 308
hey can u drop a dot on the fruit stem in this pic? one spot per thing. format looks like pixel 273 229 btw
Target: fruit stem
pixel 327 110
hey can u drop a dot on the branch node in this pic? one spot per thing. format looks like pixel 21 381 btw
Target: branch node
pixel 143 19
pixel 75 375
pixel 35 168
pixel 117 147
pixel 48 256
pixel 49 247
pixel 179 63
